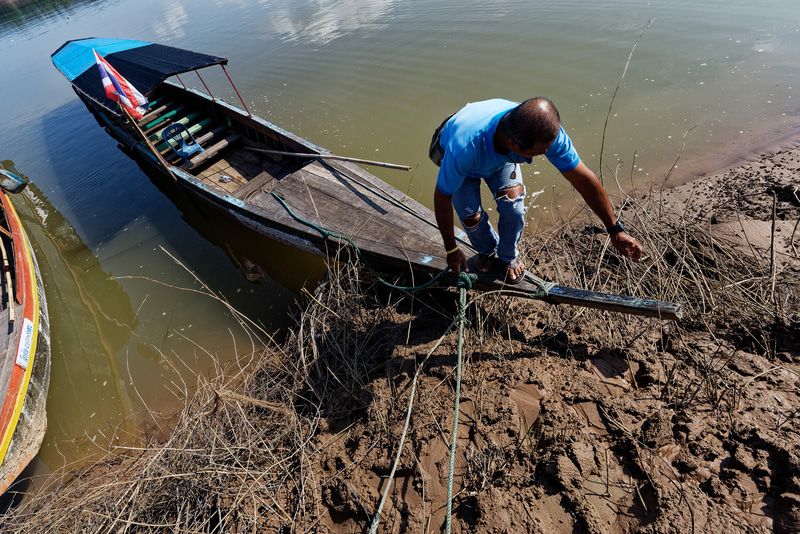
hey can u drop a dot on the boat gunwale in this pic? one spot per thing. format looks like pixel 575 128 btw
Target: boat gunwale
pixel 34 309
pixel 308 238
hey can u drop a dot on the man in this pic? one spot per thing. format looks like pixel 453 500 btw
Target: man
pixel 486 141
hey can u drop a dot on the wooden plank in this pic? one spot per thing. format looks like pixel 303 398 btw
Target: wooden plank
pixel 204 139
pixel 210 152
pixel 534 288
pixel 256 184
pixel 220 166
pixel 616 303
pixel 154 108
pixel 354 212
pixel 266 179
pixel 348 178
pixel 154 124
pixel 227 180
pixel 144 121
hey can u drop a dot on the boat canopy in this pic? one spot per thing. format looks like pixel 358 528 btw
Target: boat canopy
pixel 145 65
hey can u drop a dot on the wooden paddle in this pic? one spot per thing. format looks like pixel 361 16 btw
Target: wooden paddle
pixel 331 156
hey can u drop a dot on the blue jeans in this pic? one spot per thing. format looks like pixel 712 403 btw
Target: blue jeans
pixel 509 194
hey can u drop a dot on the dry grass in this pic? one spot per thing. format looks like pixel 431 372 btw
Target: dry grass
pixel 241 456
pixel 716 282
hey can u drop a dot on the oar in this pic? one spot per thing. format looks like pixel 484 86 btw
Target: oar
pixel 535 288
pixel 331 156
pixel 616 303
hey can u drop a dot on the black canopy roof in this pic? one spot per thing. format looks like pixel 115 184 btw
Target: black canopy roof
pixel 145 65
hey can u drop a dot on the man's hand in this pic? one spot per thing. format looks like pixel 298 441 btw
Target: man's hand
pixel 443 208
pixel 592 191
pixel 627 246
pixel 457 262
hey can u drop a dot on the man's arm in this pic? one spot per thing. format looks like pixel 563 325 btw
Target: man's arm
pixel 443 208
pixel 590 188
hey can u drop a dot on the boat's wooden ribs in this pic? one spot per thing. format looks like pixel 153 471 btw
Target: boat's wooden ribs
pixel 202 128
pixel 157 107
pixel 211 151
pixel 255 187
pixel 239 173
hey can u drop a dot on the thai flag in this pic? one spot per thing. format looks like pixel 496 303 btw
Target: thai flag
pixel 119 89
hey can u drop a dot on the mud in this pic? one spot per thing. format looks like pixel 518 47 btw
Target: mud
pixel 587 429
pixel 570 420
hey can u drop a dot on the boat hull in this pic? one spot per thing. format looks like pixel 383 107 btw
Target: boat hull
pixel 321 207
pixel 26 366
pixel 287 188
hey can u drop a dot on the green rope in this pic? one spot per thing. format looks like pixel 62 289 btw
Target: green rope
pixel 543 289
pixel 464 283
pixel 326 234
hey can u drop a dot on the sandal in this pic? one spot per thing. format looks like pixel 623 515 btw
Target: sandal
pixel 484 262
pixel 513 265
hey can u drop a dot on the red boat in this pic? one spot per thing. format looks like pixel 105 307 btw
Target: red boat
pixel 25 344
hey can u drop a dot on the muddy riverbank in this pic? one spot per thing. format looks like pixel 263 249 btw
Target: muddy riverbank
pixel 570 420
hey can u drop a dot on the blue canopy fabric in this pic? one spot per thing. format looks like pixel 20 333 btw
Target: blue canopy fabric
pixel 145 65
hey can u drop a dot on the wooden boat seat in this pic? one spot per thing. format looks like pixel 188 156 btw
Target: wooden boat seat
pixel 211 151
pixel 156 122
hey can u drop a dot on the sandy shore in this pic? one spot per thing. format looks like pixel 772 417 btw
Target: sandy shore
pixel 754 205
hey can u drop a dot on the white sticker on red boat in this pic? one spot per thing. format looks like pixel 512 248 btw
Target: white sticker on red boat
pixel 25 343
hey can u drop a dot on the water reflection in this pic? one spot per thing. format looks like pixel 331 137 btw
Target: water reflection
pixel 21 13
pixel 321 22
pixel 104 355
pixel 172 22
pixel 263 261
pixel 91 319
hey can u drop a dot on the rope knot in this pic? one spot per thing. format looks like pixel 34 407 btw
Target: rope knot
pixel 465 280
pixel 543 291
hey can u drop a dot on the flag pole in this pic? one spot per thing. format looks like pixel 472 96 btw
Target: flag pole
pixel 147 141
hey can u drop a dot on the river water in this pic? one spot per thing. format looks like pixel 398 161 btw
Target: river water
pixel 707 85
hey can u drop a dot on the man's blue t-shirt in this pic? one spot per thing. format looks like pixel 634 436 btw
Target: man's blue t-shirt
pixel 468 142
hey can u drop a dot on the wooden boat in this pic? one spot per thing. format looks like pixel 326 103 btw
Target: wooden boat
pixel 25 339
pixel 270 180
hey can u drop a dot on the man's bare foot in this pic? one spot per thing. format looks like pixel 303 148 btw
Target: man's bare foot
pixel 515 272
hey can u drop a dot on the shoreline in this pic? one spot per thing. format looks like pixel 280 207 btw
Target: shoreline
pixel 769 140
pixel 785 140
pixel 571 420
